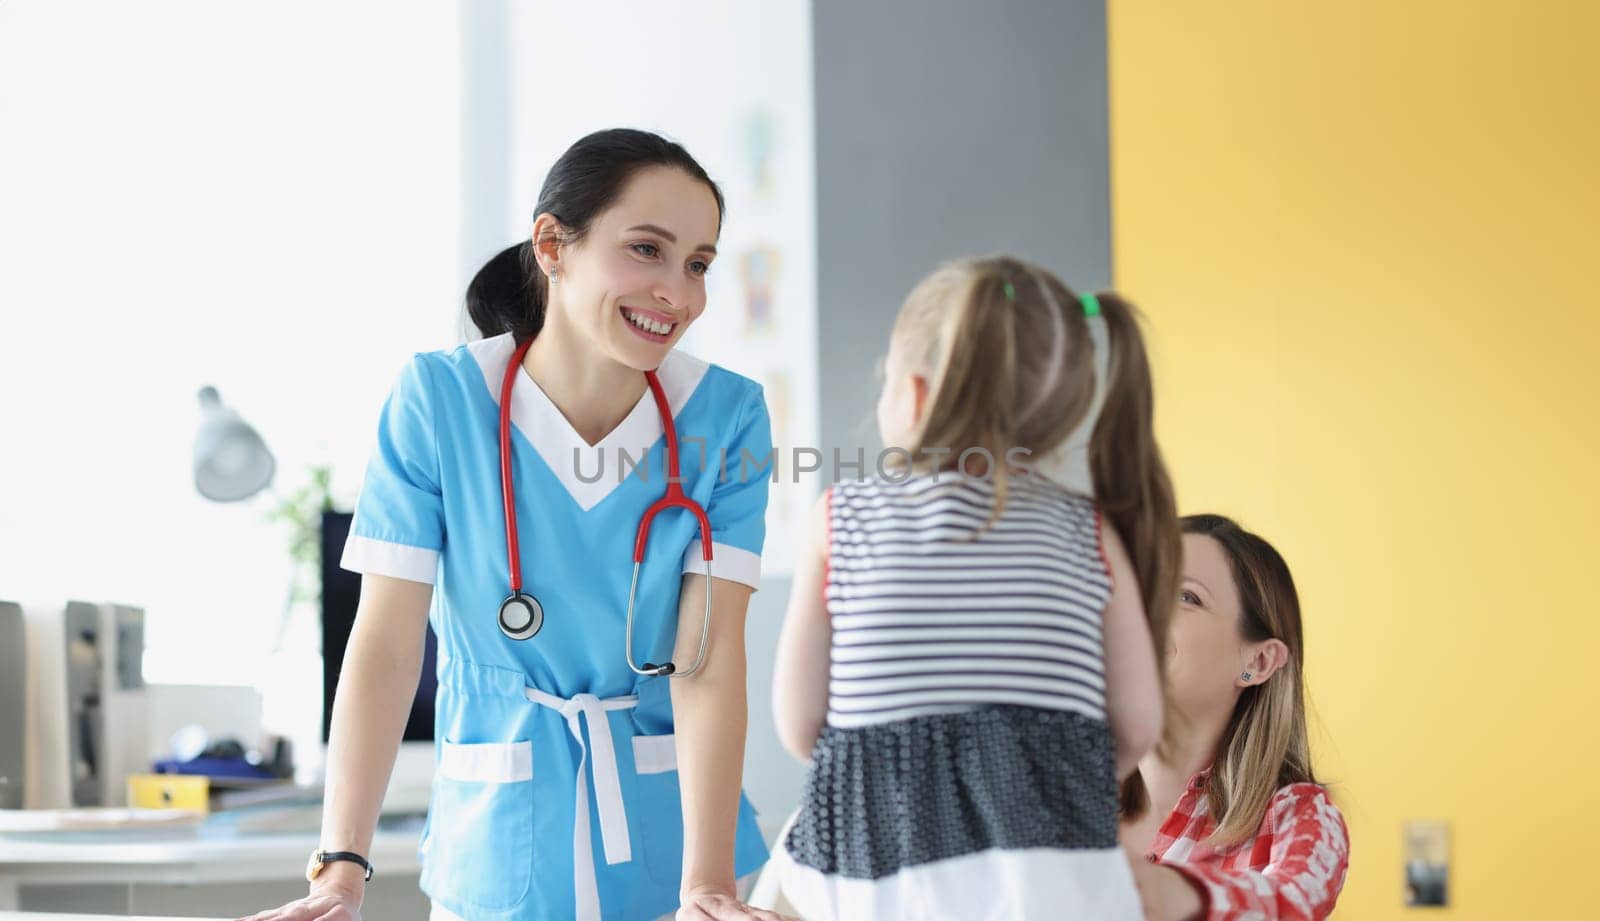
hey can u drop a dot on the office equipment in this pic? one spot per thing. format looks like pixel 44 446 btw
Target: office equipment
pixel 13 703
pixel 185 718
pixel 86 707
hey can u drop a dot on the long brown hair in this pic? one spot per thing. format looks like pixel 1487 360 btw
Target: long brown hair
pixel 1131 485
pixel 1264 747
pixel 1007 350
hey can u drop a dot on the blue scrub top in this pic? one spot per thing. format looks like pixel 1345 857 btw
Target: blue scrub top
pixel 500 841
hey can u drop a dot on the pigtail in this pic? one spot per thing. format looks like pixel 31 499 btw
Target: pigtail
pixel 507 294
pixel 1135 494
pixel 1131 484
pixel 973 402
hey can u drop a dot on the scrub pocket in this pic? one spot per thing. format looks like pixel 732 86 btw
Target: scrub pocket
pixel 480 829
pixel 655 810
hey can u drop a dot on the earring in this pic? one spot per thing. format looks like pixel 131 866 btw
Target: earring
pixel 1245 677
pixel 555 277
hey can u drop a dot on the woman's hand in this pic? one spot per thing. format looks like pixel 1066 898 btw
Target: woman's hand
pixel 708 904
pixel 1167 895
pixel 331 899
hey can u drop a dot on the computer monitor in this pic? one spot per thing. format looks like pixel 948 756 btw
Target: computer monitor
pixel 341 590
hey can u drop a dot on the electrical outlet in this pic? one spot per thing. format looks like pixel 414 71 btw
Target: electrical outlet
pixel 1427 848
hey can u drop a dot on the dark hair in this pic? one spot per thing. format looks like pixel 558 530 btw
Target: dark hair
pixel 508 293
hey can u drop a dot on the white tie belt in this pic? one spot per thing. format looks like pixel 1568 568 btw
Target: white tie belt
pixel 607 791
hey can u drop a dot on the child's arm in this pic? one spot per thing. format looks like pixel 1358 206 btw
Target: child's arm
pixel 800 675
pixel 1133 684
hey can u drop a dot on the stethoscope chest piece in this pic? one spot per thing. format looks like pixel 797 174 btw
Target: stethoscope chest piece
pixel 521 616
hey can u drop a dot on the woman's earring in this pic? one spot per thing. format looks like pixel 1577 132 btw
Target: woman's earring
pixel 1245 677
pixel 555 277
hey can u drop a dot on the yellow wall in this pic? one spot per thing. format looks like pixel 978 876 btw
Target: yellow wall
pixel 1367 234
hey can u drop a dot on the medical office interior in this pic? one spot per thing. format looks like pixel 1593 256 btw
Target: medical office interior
pixel 1362 235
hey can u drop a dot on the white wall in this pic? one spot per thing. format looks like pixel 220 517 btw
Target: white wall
pixel 257 196
pixel 284 200
pixel 713 75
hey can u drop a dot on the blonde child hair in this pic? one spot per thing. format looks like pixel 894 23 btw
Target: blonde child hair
pixel 1007 352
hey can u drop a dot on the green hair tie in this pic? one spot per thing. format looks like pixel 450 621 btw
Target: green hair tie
pixel 1091 305
pixel 1011 293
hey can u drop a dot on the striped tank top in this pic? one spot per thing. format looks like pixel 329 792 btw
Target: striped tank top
pixel 967 769
pixel 931 615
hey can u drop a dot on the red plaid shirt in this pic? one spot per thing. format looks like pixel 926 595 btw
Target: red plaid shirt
pixel 1292 870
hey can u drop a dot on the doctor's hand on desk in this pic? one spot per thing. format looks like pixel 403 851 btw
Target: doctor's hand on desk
pixel 711 905
pixel 335 896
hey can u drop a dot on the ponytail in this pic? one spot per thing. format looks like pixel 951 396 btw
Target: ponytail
pixel 1130 479
pixel 974 404
pixel 1134 492
pixel 973 369
pixel 507 294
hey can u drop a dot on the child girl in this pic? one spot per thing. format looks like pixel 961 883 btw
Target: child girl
pixel 969 660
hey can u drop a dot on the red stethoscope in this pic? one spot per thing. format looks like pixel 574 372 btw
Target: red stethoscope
pixel 521 615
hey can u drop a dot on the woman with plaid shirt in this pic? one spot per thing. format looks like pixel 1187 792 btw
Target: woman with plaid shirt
pixel 1228 815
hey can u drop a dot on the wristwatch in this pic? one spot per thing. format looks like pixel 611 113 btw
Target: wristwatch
pixel 320 859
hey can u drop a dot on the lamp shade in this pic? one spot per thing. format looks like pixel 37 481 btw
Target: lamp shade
pixel 231 462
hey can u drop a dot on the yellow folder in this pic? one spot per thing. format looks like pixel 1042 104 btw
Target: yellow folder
pixel 169 791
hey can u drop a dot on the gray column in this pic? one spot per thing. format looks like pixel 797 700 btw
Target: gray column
pixel 947 128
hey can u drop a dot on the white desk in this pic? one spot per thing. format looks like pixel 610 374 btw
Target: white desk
pixel 195 857
pixel 48 916
pixel 245 873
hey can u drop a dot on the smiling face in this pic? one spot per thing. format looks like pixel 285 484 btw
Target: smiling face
pixel 636 279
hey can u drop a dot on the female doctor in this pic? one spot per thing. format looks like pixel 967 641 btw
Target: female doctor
pixel 584 770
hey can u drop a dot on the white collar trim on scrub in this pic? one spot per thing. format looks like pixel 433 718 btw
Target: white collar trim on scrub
pixel 541 421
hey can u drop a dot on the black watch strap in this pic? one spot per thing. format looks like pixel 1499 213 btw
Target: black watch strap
pixel 327 857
